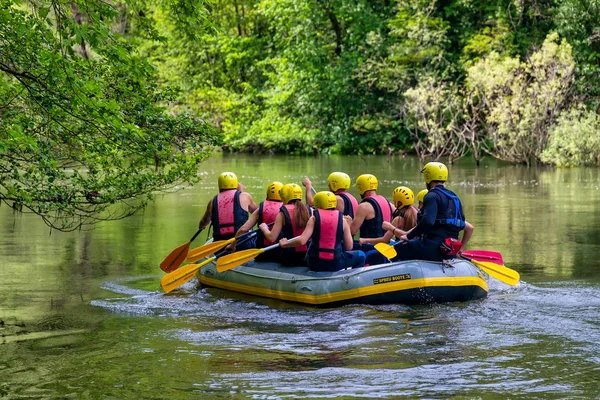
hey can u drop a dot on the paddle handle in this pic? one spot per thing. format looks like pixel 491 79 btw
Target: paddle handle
pixel 252 231
pixel 196 234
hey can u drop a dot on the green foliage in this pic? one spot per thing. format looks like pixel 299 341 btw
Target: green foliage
pixel 83 135
pixel 520 100
pixel 575 139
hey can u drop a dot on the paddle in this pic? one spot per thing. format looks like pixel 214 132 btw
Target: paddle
pixel 178 255
pixel 174 279
pixel 484 255
pixel 500 272
pixel 210 248
pixel 241 257
pixel 387 250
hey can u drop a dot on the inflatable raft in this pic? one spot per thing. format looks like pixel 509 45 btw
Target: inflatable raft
pixel 404 282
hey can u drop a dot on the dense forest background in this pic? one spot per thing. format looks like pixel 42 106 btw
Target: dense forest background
pixel 103 103
pixel 517 79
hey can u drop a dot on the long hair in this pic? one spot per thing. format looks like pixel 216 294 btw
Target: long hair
pixel 301 215
pixel 408 215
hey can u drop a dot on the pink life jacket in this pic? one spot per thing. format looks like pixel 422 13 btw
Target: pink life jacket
pixel 267 213
pixel 227 214
pixel 290 230
pixel 328 235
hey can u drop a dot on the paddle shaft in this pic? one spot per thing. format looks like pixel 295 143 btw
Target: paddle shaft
pixel 241 257
pixel 174 279
pixel 196 234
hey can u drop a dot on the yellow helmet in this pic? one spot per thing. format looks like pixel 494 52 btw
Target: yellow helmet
pixel 365 183
pixel 421 195
pixel 273 191
pixel 403 196
pixel 290 192
pixel 325 201
pixel 228 180
pixel 338 180
pixel 435 171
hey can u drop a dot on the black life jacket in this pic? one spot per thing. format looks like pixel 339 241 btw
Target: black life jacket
pixel 350 203
pixel 371 228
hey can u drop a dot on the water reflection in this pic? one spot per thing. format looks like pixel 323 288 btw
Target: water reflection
pixel 94 324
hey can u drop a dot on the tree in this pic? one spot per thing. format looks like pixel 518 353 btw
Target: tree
pixel 83 135
pixel 521 100
pixel 574 140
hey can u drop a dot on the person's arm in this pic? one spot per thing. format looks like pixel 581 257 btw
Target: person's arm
pixel 348 241
pixel 205 220
pixel 392 228
pixel 340 204
pixel 467 232
pixel 387 236
pixel 359 218
pixel 308 231
pixel 247 201
pixel 393 207
pixel 309 190
pixel 430 209
pixel 273 234
pixel 252 220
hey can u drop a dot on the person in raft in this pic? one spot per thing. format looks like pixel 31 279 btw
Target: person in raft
pixel 339 183
pixel 330 239
pixel 290 222
pixel 372 211
pixel 420 197
pixel 405 216
pixel 228 210
pixel 266 212
pixel 442 218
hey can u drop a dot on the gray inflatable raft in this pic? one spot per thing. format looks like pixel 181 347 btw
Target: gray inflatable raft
pixel 404 282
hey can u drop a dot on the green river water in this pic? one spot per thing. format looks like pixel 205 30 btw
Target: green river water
pixel 82 315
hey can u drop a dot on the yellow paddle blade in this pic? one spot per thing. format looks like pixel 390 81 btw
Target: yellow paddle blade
pixel 175 258
pixel 238 258
pixel 174 279
pixel 388 251
pixel 500 272
pixel 208 249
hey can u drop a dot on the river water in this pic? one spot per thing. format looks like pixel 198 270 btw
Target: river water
pixel 82 314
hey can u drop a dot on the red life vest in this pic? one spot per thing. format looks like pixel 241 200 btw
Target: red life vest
pixel 328 235
pixel 290 230
pixel 267 213
pixel 350 203
pixel 227 214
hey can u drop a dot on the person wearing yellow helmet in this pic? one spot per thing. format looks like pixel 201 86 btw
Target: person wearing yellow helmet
pixel 330 239
pixel 228 210
pixel 290 222
pixel 266 212
pixel 372 211
pixel 405 216
pixel 338 183
pixel 442 218
pixel 420 197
